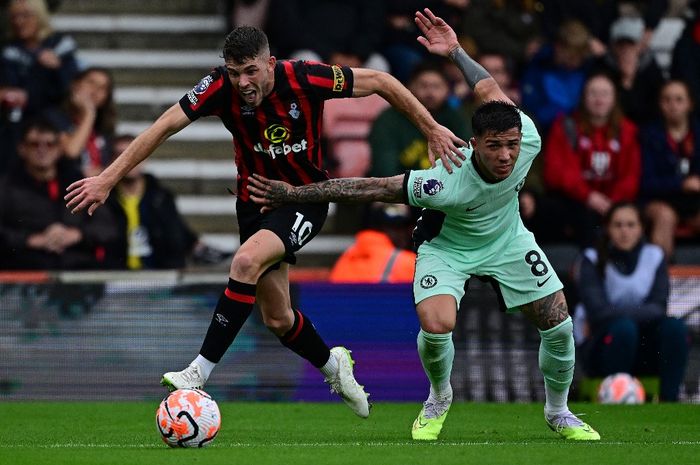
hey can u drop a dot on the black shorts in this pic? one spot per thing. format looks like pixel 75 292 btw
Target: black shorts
pixel 294 224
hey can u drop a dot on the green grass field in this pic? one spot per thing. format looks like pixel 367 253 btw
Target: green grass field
pixel 124 433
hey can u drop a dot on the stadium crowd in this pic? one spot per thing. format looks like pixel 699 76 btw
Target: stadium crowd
pixel 616 127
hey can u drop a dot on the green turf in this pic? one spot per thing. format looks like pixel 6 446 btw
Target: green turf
pixel 288 434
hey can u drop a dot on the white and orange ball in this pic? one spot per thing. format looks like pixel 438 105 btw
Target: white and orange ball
pixel 621 388
pixel 188 418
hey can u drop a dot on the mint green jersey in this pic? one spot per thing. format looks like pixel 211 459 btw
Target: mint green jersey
pixel 473 227
pixel 478 214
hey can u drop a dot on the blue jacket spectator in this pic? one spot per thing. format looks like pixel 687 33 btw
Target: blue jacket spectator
pixel 553 81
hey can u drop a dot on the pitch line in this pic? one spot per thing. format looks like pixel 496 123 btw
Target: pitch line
pixel 76 445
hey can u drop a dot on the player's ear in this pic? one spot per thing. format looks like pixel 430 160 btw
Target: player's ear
pixel 271 62
pixel 472 142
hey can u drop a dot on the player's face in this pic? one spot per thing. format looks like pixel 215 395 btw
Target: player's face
pixel 625 228
pixel 497 152
pixel 253 79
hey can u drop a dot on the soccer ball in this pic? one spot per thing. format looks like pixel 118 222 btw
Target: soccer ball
pixel 621 388
pixel 188 418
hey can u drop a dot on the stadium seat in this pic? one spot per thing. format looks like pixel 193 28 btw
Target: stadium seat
pixel 346 125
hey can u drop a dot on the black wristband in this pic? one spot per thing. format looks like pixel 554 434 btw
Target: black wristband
pixel 473 72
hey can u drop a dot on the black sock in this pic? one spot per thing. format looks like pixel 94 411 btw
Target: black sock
pixel 234 307
pixel 305 341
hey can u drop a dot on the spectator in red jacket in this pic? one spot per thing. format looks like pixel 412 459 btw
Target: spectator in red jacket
pixel 591 160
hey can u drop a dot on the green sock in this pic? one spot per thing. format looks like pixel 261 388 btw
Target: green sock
pixel 437 352
pixel 556 359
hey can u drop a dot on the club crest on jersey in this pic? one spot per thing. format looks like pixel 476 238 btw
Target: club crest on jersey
pixel 294 111
pixel 416 187
pixel 432 186
pixel 428 281
pixel 520 185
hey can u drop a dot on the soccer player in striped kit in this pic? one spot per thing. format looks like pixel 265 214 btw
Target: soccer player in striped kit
pixel 273 108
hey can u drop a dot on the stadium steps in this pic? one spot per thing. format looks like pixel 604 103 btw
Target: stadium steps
pixel 157 51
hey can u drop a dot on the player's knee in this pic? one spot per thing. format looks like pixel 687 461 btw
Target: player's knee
pixel 279 323
pixel 437 325
pixel 246 266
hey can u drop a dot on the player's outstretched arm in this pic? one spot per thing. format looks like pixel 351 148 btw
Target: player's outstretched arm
pixel 441 141
pixel 270 193
pixel 440 39
pixel 92 192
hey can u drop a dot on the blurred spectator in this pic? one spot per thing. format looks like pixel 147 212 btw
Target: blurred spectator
pixel 591 160
pixel 400 46
pixel 634 69
pixel 247 13
pixel 599 15
pixel 36 66
pixel 331 31
pixel 517 23
pixel 671 167
pixel 36 229
pixel 87 120
pixel 686 53
pixel 621 321
pixel 553 80
pixel 396 143
pixel 379 253
pixel 501 70
pixel 151 232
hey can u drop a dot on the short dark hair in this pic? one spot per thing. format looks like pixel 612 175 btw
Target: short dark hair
pixel 428 66
pixel 496 116
pixel 39 124
pixel 244 43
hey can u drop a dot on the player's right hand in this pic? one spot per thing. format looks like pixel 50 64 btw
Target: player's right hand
pixel 87 193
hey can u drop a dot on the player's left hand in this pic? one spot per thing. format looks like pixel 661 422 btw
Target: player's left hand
pixel 438 37
pixel 445 144
pixel 267 192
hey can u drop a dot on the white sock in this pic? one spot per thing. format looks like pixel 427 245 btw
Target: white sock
pixel 330 369
pixel 555 401
pixel 206 366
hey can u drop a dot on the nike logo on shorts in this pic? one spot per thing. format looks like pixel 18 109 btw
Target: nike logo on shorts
pixel 542 283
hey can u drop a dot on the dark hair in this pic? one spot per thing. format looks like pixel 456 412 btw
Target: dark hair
pixel 428 66
pixel 496 116
pixel 603 246
pixel 244 43
pixel 106 117
pixel 39 124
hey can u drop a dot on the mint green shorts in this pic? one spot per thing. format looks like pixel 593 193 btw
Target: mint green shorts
pixel 519 266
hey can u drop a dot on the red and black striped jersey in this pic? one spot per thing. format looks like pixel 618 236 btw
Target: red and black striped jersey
pixel 281 138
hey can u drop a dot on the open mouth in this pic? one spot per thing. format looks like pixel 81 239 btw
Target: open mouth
pixel 249 95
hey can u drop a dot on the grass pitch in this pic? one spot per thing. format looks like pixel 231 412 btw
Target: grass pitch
pixel 281 433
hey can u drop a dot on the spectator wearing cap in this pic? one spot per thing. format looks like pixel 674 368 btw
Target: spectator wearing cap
pixel 378 254
pixel 633 68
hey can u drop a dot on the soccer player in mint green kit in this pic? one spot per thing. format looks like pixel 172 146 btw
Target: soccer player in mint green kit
pixel 470 227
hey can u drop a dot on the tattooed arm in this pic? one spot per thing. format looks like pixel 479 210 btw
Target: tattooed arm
pixel 271 193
